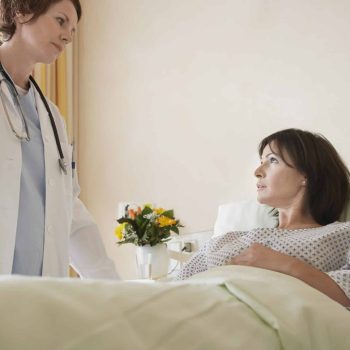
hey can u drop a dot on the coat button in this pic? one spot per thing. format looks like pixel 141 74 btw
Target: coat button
pixel 50 229
pixel 51 182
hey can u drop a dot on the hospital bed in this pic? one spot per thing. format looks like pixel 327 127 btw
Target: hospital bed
pixel 229 307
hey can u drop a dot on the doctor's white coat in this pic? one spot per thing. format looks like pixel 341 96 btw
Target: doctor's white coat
pixel 71 236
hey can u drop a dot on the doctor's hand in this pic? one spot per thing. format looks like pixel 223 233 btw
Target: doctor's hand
pixel 257 255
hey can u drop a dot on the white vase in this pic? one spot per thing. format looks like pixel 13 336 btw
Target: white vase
pixel 152 262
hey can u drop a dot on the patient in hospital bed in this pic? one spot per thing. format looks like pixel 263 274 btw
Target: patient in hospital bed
pixel 304 178
pixel 256 306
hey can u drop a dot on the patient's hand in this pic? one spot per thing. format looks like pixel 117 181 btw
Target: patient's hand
pixel 258 255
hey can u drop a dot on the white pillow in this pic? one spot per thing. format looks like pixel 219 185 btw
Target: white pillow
pixel 243 216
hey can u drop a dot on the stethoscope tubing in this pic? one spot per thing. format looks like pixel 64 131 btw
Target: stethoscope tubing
pixel 20 137
pixel 47 107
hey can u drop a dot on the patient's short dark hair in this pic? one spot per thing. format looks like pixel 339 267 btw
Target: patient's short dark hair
pixel 328 178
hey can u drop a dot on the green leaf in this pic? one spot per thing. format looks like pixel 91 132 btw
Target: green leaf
pixel 129 221
pixel 166 235
pixel 169 214
pixel 143 228
pixel 145 233
pixel 141 224
pixel 174 229
pixel 146 210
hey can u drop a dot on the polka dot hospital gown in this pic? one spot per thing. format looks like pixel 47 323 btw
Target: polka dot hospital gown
pixel 327 248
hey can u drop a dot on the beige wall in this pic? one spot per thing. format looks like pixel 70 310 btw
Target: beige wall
pixel 175 96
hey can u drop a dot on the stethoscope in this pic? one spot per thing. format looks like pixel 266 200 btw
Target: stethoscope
pixel 15 96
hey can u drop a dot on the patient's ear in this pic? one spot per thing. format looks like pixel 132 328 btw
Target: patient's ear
pixel 304 182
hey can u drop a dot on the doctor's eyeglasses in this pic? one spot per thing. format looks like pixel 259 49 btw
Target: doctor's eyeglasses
pixel 19 127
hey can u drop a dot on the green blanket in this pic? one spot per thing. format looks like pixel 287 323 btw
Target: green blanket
pixel 231 307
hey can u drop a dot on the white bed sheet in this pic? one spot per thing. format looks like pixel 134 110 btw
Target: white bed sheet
pixel 230 307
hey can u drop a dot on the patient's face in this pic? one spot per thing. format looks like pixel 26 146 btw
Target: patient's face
pixel 279 185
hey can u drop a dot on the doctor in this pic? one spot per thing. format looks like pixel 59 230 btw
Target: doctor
pixel 43 224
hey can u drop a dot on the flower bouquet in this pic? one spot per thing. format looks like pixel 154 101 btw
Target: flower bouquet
pixel 146 226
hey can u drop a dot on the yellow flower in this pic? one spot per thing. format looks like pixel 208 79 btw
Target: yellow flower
pixel 159 211
pixel 148 205
pixel 165 221
pixel 119 231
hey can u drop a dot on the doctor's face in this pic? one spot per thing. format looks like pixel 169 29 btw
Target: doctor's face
pixel 46 37
pixel 279 185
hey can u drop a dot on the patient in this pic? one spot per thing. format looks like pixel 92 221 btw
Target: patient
pixel 303 177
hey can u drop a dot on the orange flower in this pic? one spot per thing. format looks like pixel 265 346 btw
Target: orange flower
pixel 132 214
